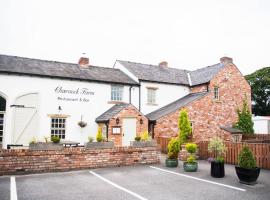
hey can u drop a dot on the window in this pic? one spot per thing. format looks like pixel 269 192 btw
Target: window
pixel 116 93
pixel 116 130
pixel 58 127
pixel 216 93
pixel 151 95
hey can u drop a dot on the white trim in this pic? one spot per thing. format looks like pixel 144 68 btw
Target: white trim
pixel 189 79
pixel 13 190
pixel 118 186
pixel 199 179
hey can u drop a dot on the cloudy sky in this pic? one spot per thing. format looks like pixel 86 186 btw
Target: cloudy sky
pixel 188 34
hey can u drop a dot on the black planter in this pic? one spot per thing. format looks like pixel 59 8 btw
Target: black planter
pixel 247 176
pixel 171 162
pixel 217 169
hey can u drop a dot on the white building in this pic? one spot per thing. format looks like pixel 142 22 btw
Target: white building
pixel 261 124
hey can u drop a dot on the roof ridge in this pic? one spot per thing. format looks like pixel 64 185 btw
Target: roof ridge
pixel 153 65
pixel 54 61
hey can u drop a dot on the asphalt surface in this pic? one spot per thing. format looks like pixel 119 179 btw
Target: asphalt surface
pixel 137 182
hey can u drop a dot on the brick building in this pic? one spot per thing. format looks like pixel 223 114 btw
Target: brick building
pixel 216 92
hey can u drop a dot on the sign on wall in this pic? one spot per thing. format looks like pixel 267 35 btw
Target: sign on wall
pixel 73 95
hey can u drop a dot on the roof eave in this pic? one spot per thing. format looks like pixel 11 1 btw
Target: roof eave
pixel 68 78
pixel 163 82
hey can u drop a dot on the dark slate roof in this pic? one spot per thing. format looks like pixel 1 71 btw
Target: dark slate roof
pixel 175 105
pixel 205 74
pixel 156 73
pixel 111 112
pixel 36 67
pixel 231 129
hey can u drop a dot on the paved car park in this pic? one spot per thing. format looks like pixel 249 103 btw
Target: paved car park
pixel 134 182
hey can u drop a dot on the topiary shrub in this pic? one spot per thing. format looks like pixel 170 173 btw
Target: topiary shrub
pixel 245 122
pixel 173 148
pixel 55 139
pixel 191 147
pixel 137 138
pixel 145 136
pixel 246 159
pixel 184 126
pixel 191 159
pixel 99 137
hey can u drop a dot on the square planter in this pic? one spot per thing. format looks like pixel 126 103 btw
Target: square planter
pixel 99 145
pixel 151 143
pixel 217 169
pixel 49 146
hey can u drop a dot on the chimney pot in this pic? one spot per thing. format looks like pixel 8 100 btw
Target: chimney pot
pixel 163 64
pixel 84 62
pixel 226 60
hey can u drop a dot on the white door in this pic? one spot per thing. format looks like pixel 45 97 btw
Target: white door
pixel 129 130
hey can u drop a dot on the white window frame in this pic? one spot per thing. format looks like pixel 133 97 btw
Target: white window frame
pixel 151 96
pixel 216 93
pixel 58 127
pixel 117 92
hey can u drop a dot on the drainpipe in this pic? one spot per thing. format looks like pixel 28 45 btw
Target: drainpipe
pixel 130 87
pixel 140 96
pixel 107 130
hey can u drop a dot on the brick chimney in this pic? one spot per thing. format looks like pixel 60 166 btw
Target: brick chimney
pixel 83 61
pixel 226 60
pixel 163 64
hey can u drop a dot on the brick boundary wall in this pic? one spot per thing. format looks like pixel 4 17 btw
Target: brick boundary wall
pixel 23 161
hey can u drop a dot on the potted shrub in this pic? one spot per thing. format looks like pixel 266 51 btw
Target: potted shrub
pixel 173 150
pixel 217 147
pixel 247 171
pixel 54 144
pixel 143 141
pixel 100 143
pixel 190 165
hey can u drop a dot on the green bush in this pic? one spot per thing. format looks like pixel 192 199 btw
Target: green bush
pixel 145 136
pixel 90 139
pixel 173 148
pixel 99 137
pixel 137 138
pixel 191 159
pixel 246 158
pixel 55 139
pixel 191 147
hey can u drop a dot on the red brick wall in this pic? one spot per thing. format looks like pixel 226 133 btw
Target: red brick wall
pixel 26 161
pixel 208 114
pixel 128 112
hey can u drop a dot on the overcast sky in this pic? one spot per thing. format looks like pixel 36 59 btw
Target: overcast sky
pixel 189 34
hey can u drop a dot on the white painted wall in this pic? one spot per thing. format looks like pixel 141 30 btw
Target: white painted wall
pixel 261 125
pixel 165 94
pixel 11 87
